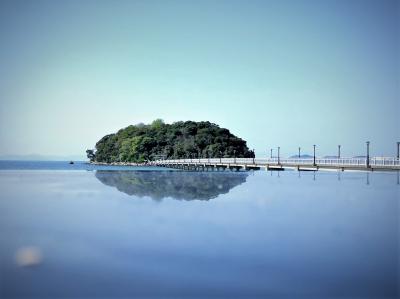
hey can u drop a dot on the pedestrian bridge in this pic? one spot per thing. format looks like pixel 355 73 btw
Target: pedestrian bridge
pixel 374 163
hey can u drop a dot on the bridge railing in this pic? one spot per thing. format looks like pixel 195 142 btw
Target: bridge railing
pixel 375 161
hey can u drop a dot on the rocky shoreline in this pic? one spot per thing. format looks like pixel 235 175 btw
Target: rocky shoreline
pixel 119 163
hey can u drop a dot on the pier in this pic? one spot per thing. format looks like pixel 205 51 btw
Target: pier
pixel 236 164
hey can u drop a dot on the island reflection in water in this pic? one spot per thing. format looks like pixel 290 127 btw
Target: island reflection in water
pixel 176 184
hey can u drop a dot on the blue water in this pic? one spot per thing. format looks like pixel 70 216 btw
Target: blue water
pixel 64 165
pixel 114 232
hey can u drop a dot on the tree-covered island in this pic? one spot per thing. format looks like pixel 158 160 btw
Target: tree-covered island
pixel 140 143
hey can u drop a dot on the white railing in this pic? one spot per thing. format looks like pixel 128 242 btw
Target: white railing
pixel 375 161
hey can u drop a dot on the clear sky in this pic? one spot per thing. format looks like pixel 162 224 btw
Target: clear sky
pixel 288 73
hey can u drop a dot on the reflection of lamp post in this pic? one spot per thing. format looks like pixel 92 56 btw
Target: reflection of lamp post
pixel 367 154
pixel 338 155
pixel 314 155
pixel 279 152
pixel 299 151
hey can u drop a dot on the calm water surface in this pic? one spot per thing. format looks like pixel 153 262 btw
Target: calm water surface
pixel 146 232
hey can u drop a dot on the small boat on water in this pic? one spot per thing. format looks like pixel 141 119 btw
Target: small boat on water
pixel 71 162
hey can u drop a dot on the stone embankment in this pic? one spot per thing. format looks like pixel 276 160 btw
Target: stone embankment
pixel 120 164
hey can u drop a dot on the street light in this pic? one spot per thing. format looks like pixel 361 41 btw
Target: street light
pixel 314 155
pixel 220 156
pixel 279 151
pixel 299 151
pixel 271 153
pixel 339 146
pixel 254 155
pixel 234 156
pixel 367 154
pixel 398 150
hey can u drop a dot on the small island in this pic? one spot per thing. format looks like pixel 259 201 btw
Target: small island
pixel 184 139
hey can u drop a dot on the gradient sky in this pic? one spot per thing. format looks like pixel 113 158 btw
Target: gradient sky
pixel 287 73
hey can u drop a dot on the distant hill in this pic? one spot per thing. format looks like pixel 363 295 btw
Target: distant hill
pixel 189 139
pixel 305 156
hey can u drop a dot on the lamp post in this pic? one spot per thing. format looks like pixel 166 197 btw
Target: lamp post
pixel 234 156
pixel 338 155
pixel 279 152
pixel 271 153
pixel 220 156
pixel 254 155
pixel 398 150
pixel 299 151
pixel 314 156
pixel 367 154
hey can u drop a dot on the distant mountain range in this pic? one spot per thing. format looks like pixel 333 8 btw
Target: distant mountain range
pixel 325 157
pixel 301 156
pixel 38 157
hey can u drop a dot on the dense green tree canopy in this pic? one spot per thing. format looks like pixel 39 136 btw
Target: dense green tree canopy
pixel 140 143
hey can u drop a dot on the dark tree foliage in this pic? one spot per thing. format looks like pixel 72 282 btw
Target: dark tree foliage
pixel 158 140
pixel 90 154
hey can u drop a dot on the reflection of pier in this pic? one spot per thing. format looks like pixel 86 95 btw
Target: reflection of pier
pixel 213 164
pixel 174 184
pixel 365 175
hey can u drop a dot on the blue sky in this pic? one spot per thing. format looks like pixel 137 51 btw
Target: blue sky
pixel 276 73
